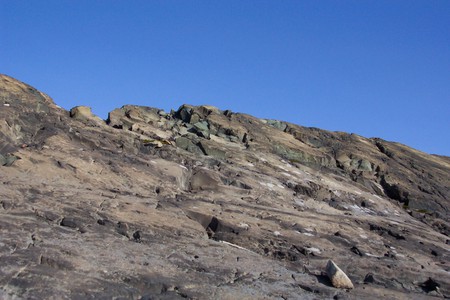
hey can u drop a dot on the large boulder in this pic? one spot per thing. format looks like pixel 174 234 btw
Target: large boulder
pixel 84 114
pixel 338 278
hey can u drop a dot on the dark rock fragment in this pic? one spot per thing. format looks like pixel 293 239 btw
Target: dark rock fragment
pixel 369 278
pixel 69 222
pixel 355 250
pixel 381 230
pixel 430 285
pixel 137 236
pixel 394 190
pixel 184 113
pixel 215 228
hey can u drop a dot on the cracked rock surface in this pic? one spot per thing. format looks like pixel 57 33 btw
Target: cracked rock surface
pixel 201 203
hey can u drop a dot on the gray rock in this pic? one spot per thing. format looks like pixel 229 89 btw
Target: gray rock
pixel 6 147
pixel 210 150
pixel 203 180
pixel 186 144
pixel 115 118
pixel 184 113
pixel 70 222
pixel 194 119
pixel 338 278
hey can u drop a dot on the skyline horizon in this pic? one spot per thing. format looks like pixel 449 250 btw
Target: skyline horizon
pixel 105 117
pixel 377 69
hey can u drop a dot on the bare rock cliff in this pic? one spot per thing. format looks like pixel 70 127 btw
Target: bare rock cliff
pixel 202 203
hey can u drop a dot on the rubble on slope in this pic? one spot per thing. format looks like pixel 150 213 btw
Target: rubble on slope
pixel 201 203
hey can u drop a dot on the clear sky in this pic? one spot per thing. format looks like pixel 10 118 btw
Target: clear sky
pixel 372 67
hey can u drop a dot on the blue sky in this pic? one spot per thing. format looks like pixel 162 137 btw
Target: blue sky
pixel 375 68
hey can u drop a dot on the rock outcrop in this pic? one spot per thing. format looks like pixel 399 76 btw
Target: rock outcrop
pixel 204 203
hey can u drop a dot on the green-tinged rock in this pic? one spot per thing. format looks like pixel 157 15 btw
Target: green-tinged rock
pixel 353 163
pixel 277 124
pixel 186 144
pixel 298 156
pixel 212 151
pixel 8 160
pixel 365 165
pixel 201 126
pixel 202 130
pixel 42 108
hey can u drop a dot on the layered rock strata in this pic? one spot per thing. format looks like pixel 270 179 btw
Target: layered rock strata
pixel 202 203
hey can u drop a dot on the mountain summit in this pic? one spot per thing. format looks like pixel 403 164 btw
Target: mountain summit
pixel 203 203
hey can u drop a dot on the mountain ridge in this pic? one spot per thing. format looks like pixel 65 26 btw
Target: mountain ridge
pixel 196 179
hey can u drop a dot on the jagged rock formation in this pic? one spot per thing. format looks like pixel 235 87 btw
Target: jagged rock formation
pixel 201 203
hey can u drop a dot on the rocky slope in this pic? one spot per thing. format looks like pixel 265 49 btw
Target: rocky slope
pixel 201 203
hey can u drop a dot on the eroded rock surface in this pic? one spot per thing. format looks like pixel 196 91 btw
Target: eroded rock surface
pixel 201 203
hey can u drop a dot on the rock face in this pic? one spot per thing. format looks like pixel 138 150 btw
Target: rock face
pixel 201 203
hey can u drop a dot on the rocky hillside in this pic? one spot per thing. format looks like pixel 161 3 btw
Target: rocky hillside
pixel 201 203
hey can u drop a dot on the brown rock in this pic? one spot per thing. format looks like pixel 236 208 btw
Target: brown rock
pixel 231 217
